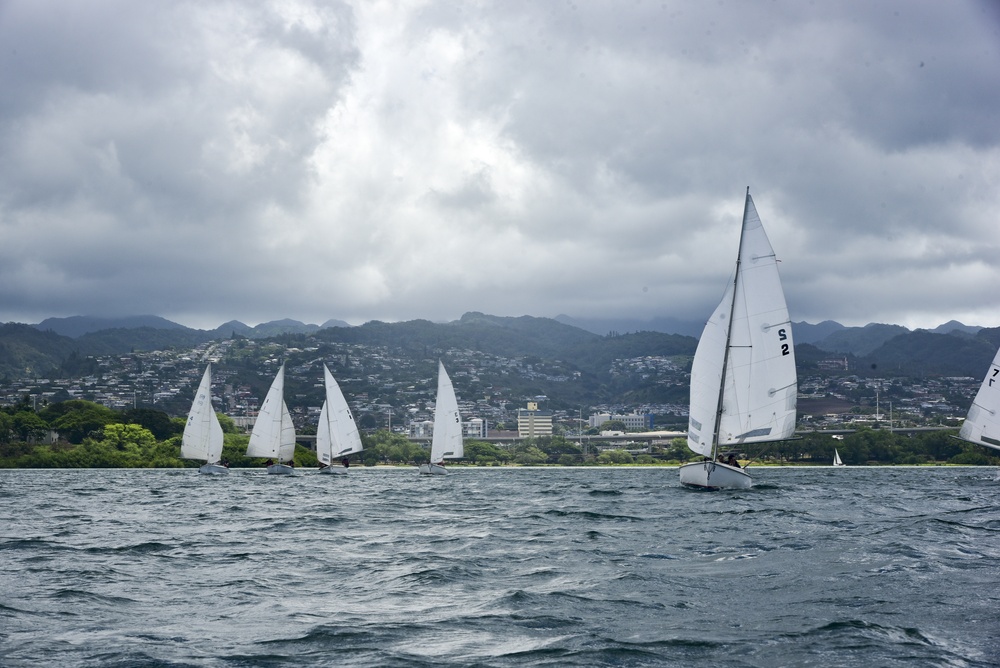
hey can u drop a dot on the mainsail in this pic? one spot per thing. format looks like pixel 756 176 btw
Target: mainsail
pixel 982 425
pixel 273 433
pixel 202 437
pixel 447 440
pixel 337 434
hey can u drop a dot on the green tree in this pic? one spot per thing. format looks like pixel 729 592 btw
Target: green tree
pixel 614 457
pixel 77 418
pixel 6 427
pixel 481 452
pixel 613 425
pixel 530 455
pixel 159 423
pixel 556 446
pixel 678 451
pixel 29 426
pixel 227 424
pixel 132 438
pixel 941 445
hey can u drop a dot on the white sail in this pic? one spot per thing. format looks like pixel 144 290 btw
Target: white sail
pixel 982 424
pixel 337 435
pixel 743 379
pixel 706 377
pixel 836 458
pixel 273 433
pixel 447 440
pixel 202 437
pixel 324 442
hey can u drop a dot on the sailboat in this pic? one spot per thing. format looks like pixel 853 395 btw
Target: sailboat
pixel 836 458
pixel 337 435
pixel 273 434
pixel 202 437
pixel 982 424
pixel 743 380
pixel 447 440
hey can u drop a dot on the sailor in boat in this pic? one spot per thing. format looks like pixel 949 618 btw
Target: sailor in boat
pixel 732 460
pixel 346 462
pixel 269 462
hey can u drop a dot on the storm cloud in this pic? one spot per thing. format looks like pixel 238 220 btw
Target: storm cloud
pixel 223 160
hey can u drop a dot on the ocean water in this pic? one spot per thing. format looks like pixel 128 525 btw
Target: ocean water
pixel 500 567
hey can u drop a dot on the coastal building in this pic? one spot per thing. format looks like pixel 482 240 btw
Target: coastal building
pixel 474 428
pixel 532 422
pixel 632 421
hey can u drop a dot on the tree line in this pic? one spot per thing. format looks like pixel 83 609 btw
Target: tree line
pixel 90 435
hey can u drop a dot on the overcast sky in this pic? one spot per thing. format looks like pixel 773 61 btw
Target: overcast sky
pixel 208 161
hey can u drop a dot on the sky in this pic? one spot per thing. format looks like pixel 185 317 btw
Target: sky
pixel 207 160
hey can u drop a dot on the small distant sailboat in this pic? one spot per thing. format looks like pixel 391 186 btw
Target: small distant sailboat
pixel 447 440
pixel 273 434
pixel 337 435
pixel 836 458
pixel 202 437
pixel 743 379
pixel 982 424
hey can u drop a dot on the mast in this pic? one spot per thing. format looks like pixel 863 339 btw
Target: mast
pixel 729 336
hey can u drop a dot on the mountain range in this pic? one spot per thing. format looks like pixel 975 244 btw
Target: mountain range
pixel 950 349
pixel 80 325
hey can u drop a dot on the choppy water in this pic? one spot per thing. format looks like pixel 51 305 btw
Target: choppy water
pixel 500 567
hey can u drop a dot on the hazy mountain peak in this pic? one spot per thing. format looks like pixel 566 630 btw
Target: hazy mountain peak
pixel 77 325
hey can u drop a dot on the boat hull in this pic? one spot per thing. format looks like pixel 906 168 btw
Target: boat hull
pixel 280 469
pixel 432 469
pixel 333 470
pixel 715 475
pixel 213 469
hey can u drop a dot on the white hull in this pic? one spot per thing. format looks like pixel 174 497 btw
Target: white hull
pixel 333 470
pixel 214 469
pixel 280 469
pixel 715 475
pixel 432 469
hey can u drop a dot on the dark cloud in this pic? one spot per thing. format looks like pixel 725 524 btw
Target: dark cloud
pixel 306 159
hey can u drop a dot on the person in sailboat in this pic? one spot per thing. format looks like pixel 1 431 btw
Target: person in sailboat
pixel 346 462
pixel 269 462
pixel 732 460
